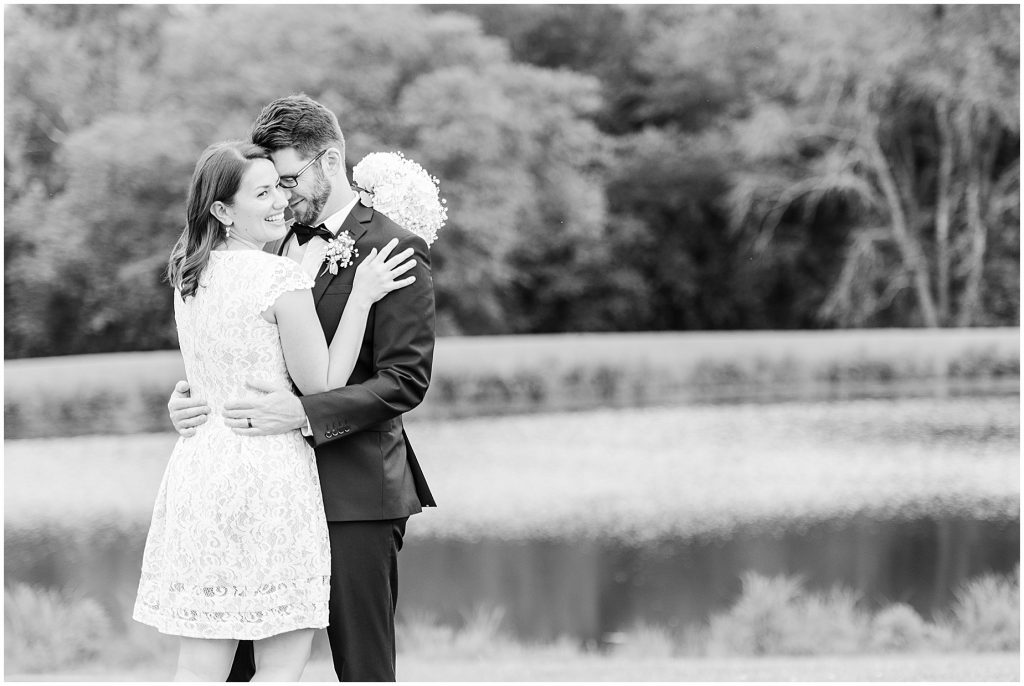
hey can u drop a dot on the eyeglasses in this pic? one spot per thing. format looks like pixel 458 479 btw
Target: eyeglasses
pixel 293 180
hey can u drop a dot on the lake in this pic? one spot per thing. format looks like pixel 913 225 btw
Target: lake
pixel 572 529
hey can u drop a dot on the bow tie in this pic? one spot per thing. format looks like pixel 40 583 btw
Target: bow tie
pixel 303 233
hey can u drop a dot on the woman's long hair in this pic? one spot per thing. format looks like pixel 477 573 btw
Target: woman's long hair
pixel 217 176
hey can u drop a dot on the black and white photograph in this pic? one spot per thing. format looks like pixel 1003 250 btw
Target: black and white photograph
pixel 512 342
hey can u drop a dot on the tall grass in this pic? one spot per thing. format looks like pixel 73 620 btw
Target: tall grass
pixel 487 375
pixel 48 631
pixel 45 629
pixel 779 616
pixel 776 616
pixel 899 628
pixel 986 613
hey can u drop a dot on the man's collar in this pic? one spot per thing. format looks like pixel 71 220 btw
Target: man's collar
pixel 334 222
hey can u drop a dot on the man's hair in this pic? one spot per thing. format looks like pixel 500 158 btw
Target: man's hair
pixel 299 122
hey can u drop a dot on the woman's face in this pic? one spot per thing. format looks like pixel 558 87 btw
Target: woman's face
pixel 257 210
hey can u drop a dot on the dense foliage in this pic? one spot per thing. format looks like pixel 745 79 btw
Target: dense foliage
pixel 607 168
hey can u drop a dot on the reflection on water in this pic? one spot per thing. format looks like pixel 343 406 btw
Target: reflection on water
pixel 588 589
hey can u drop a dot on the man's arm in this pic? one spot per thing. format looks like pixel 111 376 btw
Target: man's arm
pixel 403 336
pixel 186 412
pixel 275 410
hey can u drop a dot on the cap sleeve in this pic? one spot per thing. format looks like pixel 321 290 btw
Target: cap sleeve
pixel 278 277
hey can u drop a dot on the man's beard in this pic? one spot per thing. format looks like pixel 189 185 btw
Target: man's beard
pixel 315 201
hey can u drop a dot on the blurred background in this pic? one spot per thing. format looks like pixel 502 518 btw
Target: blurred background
pixel 728 307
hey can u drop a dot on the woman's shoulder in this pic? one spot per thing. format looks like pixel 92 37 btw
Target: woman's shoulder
pixel 258 262
pixel 258 268
pixel 253 256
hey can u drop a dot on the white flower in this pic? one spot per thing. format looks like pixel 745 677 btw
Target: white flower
pixel 403 190
pixel 341 250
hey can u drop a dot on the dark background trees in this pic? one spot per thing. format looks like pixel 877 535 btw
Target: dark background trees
pixel 607 167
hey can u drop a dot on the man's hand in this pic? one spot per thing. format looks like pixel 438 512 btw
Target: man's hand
pixel 270 410
pixel 185 411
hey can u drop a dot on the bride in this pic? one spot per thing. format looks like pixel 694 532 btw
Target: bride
pixel 238 545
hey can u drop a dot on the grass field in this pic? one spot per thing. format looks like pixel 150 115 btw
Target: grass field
pixel 636 473
pixel 924 349
pixel 126 393
pixel 542 666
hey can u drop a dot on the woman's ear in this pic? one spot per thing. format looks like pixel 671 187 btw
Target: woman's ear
pixel 222 213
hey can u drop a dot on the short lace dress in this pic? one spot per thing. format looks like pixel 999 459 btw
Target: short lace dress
pixel 238 545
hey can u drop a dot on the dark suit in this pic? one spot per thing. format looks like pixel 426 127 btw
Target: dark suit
pixel 369 474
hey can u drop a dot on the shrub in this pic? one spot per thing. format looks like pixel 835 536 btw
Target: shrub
pixel 831 622
pixel 480 635
pixel 45 630
pixel 422 634
pixel 646 641
pixel 758 621
pixel 986 613
pixel 775 616
pixel 898 628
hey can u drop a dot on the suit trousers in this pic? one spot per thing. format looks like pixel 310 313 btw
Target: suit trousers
pixel 364 595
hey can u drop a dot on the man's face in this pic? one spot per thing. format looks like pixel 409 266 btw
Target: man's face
pixel 310 195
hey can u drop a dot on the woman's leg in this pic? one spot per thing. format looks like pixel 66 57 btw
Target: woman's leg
pixel 283 657
pixel 205 659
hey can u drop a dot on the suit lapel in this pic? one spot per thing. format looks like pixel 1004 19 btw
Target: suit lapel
pixel 357 224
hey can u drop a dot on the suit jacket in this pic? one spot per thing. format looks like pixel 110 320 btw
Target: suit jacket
pixel 368 470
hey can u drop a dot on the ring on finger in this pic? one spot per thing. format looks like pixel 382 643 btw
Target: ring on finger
pixel 249 419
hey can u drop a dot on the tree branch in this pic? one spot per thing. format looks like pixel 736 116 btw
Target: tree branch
pixel 910 249
pixel 944 205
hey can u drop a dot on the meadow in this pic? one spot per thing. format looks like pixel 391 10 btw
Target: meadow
pixel 126 393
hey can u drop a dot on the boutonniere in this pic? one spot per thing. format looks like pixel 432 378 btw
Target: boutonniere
pixel 341 250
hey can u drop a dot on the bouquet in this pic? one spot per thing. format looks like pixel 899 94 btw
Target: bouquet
pixel 403 190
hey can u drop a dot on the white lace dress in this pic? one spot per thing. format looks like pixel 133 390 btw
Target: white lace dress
pixel 238 546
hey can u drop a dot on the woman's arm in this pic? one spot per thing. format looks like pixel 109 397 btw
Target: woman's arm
pixel 313 366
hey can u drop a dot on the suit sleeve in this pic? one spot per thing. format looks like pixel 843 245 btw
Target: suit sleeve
pixel 403 351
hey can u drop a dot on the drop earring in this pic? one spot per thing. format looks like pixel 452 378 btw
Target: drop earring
pixel 227 230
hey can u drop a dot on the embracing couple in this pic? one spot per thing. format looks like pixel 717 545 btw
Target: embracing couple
pixel 281 512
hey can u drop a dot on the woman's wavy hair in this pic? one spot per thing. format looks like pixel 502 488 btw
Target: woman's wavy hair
pixel 217 176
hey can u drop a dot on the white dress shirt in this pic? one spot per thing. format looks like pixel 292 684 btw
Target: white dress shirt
pixel 311 255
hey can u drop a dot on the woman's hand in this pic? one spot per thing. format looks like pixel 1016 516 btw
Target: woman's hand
pixel 377 275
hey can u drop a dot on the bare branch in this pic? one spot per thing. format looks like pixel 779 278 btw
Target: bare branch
pixel 944 204
pixel 910 250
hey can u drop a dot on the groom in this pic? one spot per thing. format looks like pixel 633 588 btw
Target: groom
pixel 369 474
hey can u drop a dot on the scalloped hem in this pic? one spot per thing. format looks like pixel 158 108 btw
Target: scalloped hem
pixel 232 628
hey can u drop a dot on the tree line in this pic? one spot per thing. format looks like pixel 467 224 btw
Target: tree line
pixel 607 167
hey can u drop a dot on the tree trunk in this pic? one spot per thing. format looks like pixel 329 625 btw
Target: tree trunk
pixel 943 209
pixel 975 262
pixel 910 249
pixel 979 174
